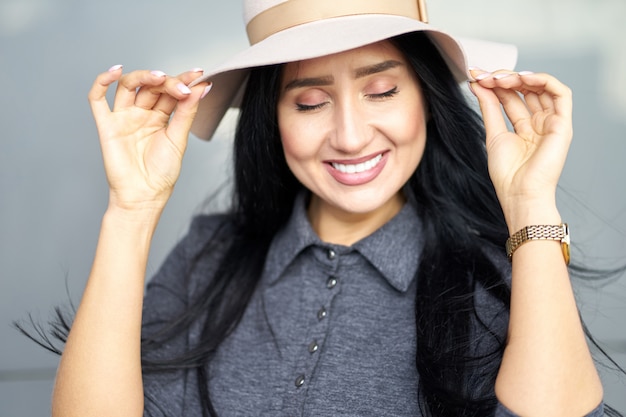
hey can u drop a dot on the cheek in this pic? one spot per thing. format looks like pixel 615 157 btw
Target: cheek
pixel 289 142
pixel 410 134
pixel 299 155
pixel 300 159
pixel 292 146
pixel 300 142
pixel 408 129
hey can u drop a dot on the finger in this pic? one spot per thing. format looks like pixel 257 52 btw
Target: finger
pixel 501 78
pixel 146 97
pixel 97 94
pixel 552 93
pixel 128 85
pixel 532 101
pixel 166 102
pixel 514 107
pixel 491 110
pixel 505 85
pixel 180 124
pixel 189 76
pixel 547 103
pixel 174 91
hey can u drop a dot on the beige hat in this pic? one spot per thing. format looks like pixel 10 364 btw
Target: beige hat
pixel 292 30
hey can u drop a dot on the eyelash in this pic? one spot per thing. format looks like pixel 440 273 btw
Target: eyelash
pixel 386 94
pixel 306 107
pixel 381 96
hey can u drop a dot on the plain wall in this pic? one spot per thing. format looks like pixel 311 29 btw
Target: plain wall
pixel 53 191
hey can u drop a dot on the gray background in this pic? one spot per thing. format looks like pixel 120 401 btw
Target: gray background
pixel 53 191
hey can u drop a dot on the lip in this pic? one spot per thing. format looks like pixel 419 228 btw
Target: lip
pixel 359 178
pixel 355 160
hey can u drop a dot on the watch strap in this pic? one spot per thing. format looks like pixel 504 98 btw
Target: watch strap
pixel 540 232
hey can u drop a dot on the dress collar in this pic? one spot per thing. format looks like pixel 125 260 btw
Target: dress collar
pixel 394 249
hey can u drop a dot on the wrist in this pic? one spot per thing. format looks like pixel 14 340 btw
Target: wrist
pixel 531 212
pixel 136 219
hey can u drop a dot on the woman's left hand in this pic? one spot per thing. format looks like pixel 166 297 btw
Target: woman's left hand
pixel 546 366
pixel 524 164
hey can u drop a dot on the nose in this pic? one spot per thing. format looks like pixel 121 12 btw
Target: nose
pixel 351 132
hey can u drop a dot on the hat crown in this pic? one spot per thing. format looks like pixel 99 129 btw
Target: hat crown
pixel 264 18
pixel 252 8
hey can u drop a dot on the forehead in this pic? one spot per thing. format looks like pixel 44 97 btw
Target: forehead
pixel 354 58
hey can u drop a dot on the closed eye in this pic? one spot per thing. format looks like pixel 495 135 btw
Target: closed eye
pixel 309 107
pixel 386 94
pixel 380 96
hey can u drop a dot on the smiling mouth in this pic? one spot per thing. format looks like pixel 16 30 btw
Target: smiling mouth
pixel 357 168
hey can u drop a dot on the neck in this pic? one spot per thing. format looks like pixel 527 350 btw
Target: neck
pixel 334 225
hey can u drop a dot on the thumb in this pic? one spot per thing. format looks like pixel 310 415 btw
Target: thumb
pixel 186 110
pixel 491 110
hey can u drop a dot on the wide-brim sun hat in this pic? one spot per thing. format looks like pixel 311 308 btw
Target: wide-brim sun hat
pixel 282 31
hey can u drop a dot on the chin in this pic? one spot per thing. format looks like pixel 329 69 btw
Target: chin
pixel 368 202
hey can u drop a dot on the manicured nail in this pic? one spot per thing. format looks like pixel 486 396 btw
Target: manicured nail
pixel 206 90
pixel 476 69
pixel 158 73
pixel 115 68
pixel 471 88
pixel 525 72
pixel 482 76
pixel 503 75
pixel 196 70
pixel 183 88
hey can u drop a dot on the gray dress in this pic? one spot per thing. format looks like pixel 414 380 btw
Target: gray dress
pixel 329 331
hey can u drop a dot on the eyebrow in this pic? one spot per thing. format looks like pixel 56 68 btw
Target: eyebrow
pixel 376 68
pixel 309 82
pixel 328 79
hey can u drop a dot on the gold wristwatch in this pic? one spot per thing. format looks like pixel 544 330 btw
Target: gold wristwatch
pixel 540 232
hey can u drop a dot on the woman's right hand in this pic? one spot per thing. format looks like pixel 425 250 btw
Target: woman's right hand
pixel 142 142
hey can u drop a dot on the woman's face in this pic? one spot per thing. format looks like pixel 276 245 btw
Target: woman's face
pixel 353 128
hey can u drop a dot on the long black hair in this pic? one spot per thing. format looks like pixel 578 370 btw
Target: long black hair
pixel 463 226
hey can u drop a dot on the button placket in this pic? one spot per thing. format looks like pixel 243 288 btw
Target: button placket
pixel 317 334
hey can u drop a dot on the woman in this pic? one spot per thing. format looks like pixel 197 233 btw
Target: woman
pixel 361 269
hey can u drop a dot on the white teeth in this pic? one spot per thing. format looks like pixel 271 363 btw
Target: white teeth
pixel 356 168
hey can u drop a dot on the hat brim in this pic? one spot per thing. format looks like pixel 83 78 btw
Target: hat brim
pixel 329 36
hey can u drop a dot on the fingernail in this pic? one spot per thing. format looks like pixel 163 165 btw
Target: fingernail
pixel 183 88
pixel 476 69
pixel 206 91
pixel 115 68
pixel 482 76
pixel 469 83
pixel 158 73
pixel 503 75
pixel 196 70
pixel 525 72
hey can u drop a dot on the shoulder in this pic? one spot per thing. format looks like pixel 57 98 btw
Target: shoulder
pixel 188 266
pixel 202 244
pixel 205 229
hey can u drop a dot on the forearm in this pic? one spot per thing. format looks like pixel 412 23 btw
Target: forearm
pixel 100 370
pixel 547 368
